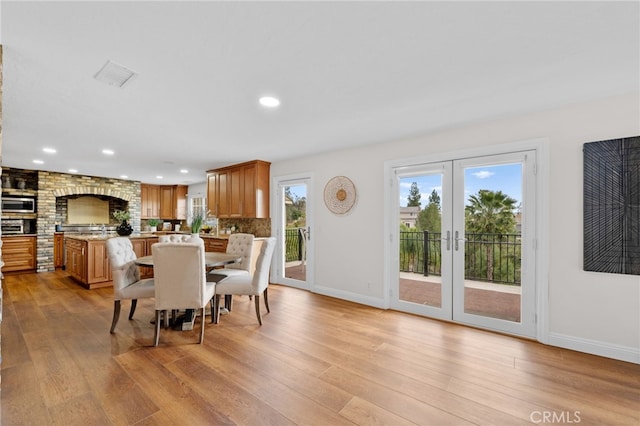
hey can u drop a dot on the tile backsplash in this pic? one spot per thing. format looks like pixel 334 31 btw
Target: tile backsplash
pixel 257 227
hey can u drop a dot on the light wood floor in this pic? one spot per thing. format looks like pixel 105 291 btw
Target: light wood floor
pixel 316 360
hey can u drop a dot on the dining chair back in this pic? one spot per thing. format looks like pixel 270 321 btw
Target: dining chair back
pixel 254 285
pixel 127 284
pixel 241 244
pixel 180 279
pixel 174 238
pixel 245 246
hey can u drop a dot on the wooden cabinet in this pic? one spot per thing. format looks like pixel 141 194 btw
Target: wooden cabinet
pixel 241 190
pixel 149 201
pixel 142 247
pixel 215 244
pixel 98 266
pixel 88 262
pixel 75 259
pixel 173 202
pixel 58 250
pixel 19 253
pixel 163 202
pixel 139 246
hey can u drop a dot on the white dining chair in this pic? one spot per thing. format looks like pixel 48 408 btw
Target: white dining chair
pixel 242 245
pixel 180 280
pixel 174 238
pixel 254 285
pixel 127 284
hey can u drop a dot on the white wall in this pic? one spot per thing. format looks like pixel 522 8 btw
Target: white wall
pixel 197 190
pixel 592 312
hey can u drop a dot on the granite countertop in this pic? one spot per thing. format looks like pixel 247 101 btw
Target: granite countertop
pixel 99 237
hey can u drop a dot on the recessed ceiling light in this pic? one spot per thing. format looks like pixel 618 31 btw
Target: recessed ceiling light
pixel 269 101
pixel 38 162
pixel 159 177
pixel 107 152
pixel 73 170
pixel 184 171
pixel 49 150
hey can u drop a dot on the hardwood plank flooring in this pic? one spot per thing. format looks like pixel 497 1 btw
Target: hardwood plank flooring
pixel 315 361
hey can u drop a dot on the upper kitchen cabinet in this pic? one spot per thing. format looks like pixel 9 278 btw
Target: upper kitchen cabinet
pixel 163 202
pixel 149 201
pixel 241 190
pixel 173 202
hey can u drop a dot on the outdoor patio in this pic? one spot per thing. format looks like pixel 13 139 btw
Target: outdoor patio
pixel 481 298
pixel 486 299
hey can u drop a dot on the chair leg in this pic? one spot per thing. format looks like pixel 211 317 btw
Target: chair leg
pixel 215 313
pixel 266 300
pixel 258 310
pixel 203 322
pixel 134 302
pixel 165 315
pixel 116 315
pixel 228 301
pixel 211 305
pixel 156 336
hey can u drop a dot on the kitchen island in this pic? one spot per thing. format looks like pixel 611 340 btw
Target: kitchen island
pixel 87 262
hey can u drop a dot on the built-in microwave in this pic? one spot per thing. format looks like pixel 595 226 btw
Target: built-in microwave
pixel 18 204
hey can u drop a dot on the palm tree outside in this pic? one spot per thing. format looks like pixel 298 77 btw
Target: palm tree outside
pixel 490 213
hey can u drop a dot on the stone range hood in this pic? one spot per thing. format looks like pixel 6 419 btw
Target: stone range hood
pixel 54 187
pixel 88 209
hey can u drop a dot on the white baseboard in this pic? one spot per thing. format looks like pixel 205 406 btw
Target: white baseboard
pixel 594 347
pixel 351 297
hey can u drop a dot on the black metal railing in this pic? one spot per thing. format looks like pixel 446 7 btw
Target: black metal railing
pixel 488 257
pixel 294 244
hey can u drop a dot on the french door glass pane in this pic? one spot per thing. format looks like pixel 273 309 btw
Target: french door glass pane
pixel 492 250
pixel 295 247
pixel 420 239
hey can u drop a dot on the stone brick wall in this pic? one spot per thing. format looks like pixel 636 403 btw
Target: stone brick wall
pixel 52 185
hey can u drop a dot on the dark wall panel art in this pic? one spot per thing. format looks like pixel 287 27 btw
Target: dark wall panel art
pixel 612 206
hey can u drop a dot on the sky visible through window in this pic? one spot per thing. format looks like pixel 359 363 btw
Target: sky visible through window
pixel 299 190
pixel 506 178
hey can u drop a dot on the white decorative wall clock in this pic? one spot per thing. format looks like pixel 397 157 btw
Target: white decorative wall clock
pixel 339 194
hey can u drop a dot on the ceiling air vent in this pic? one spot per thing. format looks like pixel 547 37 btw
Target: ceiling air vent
pixel 115 74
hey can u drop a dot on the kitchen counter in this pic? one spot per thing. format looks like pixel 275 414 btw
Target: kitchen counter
pixel 98 237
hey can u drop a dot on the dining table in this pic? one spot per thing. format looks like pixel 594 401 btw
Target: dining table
pixel 212 259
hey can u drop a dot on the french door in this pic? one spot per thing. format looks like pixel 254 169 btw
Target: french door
pixel 466 241
pixel 293 218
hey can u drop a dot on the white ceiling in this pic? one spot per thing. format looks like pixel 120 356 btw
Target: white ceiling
pixel 347 73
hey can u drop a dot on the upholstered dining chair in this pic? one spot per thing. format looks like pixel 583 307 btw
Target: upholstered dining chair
pixel 255 284
pixel 180 280
pixel 127 284
pixel 242 245
pixel 174 238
